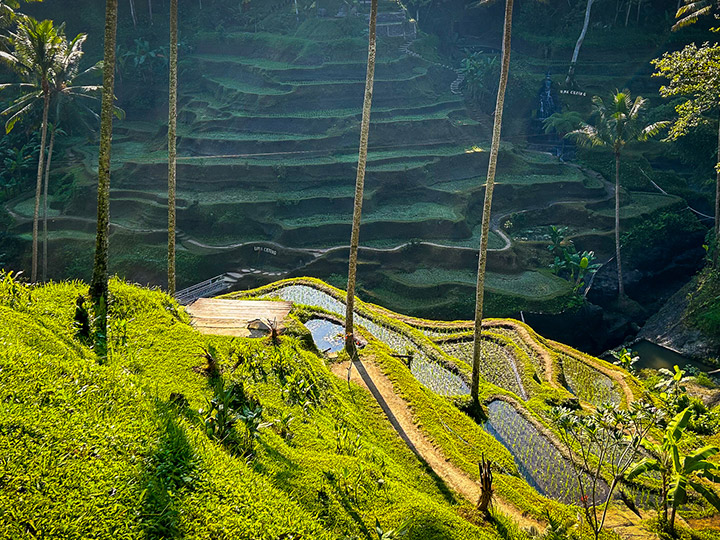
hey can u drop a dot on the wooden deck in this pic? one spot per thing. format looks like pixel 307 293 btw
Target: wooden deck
pixel 231 317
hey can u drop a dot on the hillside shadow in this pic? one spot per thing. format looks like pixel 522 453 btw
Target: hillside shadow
pixel 170 471
pixel 439 482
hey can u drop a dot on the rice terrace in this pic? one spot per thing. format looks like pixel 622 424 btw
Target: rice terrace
pixel 359 270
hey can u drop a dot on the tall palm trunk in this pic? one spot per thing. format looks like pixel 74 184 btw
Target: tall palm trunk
pixel 578 44
pixel 360 180
pixel 45 202
pixel 38 186
pixel 621 288
pixel 99 283
pixel 487 206
pixel 172 147
pixel 627 15
pixel 717 186
pixel 132 12
pixel 664 495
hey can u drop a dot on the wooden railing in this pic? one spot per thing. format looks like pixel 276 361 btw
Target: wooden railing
pixel 204 289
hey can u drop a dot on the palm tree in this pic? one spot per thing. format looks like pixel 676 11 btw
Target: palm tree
pixel 487 206
pixel 36 47
pixel 63 90
pixel 360 181
pixel 678 471
pixel 8 11
pixel 614 127
pixel 172 150
pixel 99 283
pixel 692 10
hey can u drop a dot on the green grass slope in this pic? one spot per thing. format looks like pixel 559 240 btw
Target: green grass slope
pixel 119 450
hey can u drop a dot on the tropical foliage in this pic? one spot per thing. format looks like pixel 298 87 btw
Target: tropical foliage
pixel 678 468
pixel 626 359
pixel 615 125
pixel 575 266
pixel 694 74
pixel 608 438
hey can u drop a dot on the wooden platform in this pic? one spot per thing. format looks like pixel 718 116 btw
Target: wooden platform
pixel 231 317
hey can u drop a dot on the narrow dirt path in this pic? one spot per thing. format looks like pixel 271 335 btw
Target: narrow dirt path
pixel 366 373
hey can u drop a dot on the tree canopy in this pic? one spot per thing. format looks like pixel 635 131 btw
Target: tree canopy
pixel 693 72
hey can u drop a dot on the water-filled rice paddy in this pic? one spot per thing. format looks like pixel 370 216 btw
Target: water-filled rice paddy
pixel 538 460
pixel 430 373
pixel 588 383
pixel 498 366
pixel 327 335
pixel 532 354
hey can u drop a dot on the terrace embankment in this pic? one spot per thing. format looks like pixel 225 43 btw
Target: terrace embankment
pixel 268 130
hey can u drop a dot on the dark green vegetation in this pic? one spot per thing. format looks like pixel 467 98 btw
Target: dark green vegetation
pixel 269 119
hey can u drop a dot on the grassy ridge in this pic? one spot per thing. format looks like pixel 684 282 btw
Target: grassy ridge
pixel 127 463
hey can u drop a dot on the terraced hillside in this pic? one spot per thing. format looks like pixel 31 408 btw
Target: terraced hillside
pixel 268 134
pixel 522 373
pixel 197 435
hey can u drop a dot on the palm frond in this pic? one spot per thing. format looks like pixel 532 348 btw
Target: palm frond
pixel 709 495
pixel 691 12
pixel 16 86
pixel 653 129
pixel 21 102
pixel 10 124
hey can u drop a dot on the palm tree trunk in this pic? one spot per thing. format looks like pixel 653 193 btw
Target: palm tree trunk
pixel 627 14
pixel 38 186
pixel 717 186
pixel 621 288
pixel 664 496
pixel 576 52
pixel 99 283
pixel 172 148
pixel 150 11
pixel 45 203
pixel 490 185
pixel 360 181
pixel 132 12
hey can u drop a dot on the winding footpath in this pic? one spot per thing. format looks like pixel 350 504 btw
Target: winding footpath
pixel 367 374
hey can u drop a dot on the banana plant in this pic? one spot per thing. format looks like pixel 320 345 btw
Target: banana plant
pixel 557 240
pixel 626 359
pixel 672 386
pixel 678 472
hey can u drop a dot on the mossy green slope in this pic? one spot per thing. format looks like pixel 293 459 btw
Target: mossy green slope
pixel 99 451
